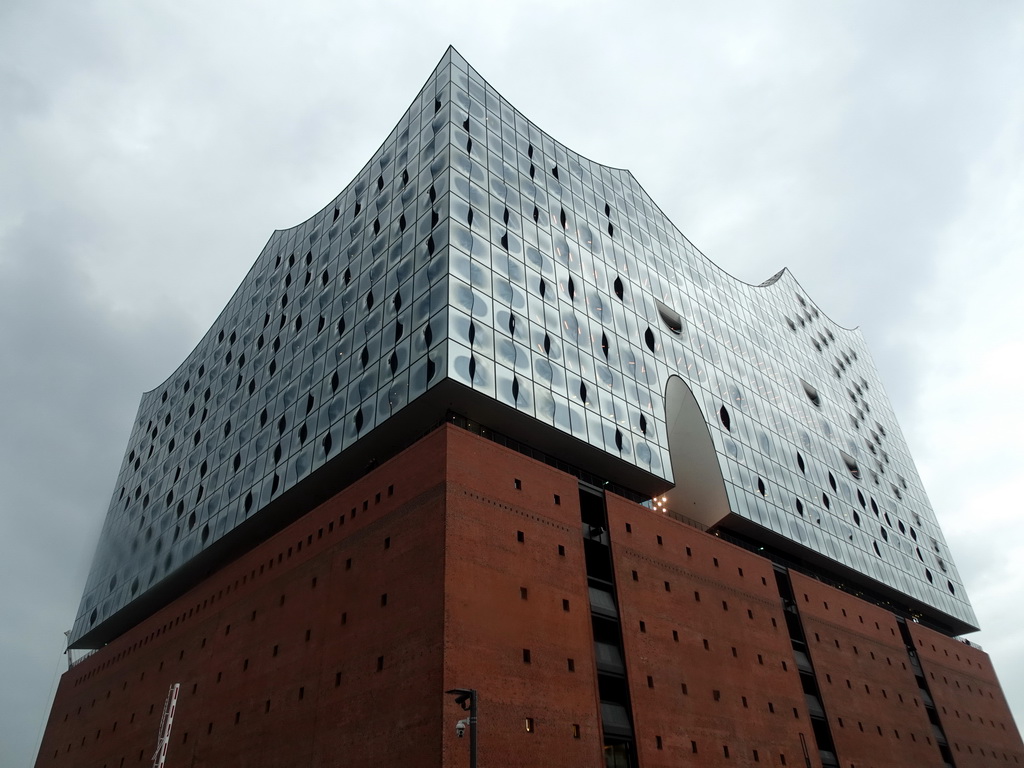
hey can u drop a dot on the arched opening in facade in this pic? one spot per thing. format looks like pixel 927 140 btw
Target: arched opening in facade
pixel 699 491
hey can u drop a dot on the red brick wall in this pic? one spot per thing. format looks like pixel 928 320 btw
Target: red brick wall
pixel 462 539
pixel 218 641
pixel 867 683
pixel 970 703
pixel 452 531
pixel 488 623
pixel 747 660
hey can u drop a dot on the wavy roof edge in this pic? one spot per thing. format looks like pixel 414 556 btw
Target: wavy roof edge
pixel 772 282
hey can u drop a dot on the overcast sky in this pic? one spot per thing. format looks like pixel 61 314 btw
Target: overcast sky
pixel 149 149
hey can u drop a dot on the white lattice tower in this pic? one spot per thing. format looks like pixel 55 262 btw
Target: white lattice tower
pixel 166 721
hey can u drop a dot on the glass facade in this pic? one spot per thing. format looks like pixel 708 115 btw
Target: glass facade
pixel 474 248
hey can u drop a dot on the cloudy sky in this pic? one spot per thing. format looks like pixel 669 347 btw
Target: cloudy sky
pixel 148 150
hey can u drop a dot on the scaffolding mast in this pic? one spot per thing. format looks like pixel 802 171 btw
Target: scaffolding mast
pixel 166 720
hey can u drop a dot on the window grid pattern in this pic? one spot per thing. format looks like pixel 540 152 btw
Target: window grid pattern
pixel 474 247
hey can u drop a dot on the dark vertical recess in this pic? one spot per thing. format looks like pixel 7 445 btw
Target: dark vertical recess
pixel 926 697
pixel 808 679
pixel 613 687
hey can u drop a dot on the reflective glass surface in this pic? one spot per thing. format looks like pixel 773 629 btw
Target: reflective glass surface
pixel 476 248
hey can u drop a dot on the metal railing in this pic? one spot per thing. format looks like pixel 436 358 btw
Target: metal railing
pixel 73 662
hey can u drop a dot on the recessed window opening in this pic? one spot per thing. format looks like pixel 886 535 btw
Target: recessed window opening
pixel 851 465
pixel 672 319
pixel 812 394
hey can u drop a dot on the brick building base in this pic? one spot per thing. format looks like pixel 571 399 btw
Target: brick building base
pixel 461 563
